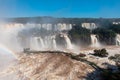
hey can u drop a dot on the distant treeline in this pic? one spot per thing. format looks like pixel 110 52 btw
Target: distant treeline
pixel 106 31
pixel 106 35
pixel 100 21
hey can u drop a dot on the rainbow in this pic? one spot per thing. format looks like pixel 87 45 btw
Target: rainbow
pixel 6 51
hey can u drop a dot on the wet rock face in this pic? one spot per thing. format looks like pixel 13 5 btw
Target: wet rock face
pixel 52 66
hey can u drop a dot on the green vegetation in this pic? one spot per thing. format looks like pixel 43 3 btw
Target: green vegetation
pixel 100 53
pixel 116 58
pixel 115 28
pixel 103 22
pixel 105 36
pixel 110 74
pixel 106 32
pixel 80 35
pixel 61 41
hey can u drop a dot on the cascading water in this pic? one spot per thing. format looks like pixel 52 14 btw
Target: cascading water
pixel 68 41
pixel 34 36
pixel 42 42
pixel 54 42
pixel 48 42
pixel 118 40
pixel 35 43
pixel 94 41
pixel 38 43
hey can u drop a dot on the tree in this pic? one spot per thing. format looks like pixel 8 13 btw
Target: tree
pixel 106 36
pixel 100 53
pixel 115 28
pixel 80 35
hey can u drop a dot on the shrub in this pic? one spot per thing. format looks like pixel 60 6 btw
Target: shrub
pixel 115 28
pixel 81 55
pixel 116 58
pixel 100 53
pixel 111 57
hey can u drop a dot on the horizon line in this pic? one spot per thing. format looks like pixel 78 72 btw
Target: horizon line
pixel 59 17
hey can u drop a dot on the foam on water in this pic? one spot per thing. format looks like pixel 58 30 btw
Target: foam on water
pixel 94 41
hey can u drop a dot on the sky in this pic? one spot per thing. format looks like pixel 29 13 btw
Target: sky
pixel 60 8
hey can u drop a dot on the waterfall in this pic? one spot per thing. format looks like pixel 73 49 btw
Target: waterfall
pixel 42 42
pixel 35 43
pixel 35 36
pixel 94 41
pixel 54 42
pixel 68 41
pixel 118 40
pixel 39 43
pixel 48 42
